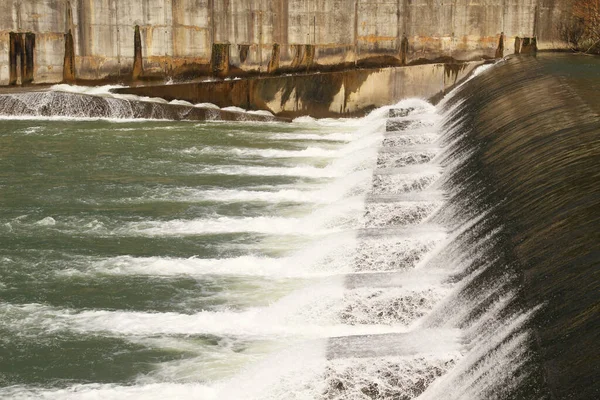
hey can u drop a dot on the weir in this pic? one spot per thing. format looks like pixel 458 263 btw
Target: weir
pixel 530 164
pixel 420 252
pixel 61 104
pixel 487 265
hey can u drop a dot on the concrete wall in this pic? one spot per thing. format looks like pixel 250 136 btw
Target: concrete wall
pixel 177 36
pixel 332 94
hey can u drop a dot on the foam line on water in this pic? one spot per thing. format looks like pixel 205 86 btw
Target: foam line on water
pixel 332 218
pixel 218 225
pixel 73 119
pixel 268 323
pixel 188 194
pixel 161 266
pixel 309 152
pixel 350 184
pixel 300 171
pixel 328 255
pixel 95 391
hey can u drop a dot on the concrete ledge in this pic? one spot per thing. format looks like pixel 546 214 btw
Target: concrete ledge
pixel 333 94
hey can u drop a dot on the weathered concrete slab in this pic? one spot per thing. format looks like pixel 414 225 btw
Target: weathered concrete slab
pixel 334 94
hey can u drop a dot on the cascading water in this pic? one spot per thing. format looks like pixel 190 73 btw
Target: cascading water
pixel 76 102
pixel 332 259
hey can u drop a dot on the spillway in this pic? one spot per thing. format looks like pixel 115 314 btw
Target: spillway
pixel 420 252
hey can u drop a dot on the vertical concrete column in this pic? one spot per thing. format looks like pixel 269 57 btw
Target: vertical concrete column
pixel 243 50
pixel 274 61
pixel 309 56
pixel 517 45
pixel 21 57
pixel 529 46
pixel 403 49
pixel 500 49
pixel 69 61
pixel 28 58
pixel 219 61
pixel 138 65
pixel 15 57
pixel 298 51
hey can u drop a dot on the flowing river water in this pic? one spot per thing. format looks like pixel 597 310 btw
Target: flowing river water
pixel 367 258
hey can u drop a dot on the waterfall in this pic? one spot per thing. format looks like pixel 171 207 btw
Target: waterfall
pixel 422 252
pixel 75 104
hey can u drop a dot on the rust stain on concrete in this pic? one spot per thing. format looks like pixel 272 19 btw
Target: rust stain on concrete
pixel 274 61
pixel 219 64
pixel 375 39
pixel 69 59
pixel 138 67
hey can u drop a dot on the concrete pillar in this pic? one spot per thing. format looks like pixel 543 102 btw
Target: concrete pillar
pixel 500 49
pixel 69 61
pixel 529 45
pixel 298 51
pixel 28 58
pixel 243 49
pixel 403 49
pixel 309 56
pixel 219 61
pixel 15 57
pixel 21 58
pixel 138 65
pixel 274 61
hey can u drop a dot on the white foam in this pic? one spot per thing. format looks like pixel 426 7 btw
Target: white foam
pixel 326 220
pixel 270 225
pixel 104 90
pixel 301 170
pixel 309 152
pixel 155 391
pixel 164 266
pixel 333 137
pixel 207 105
pixel 261 112
pixel 48 221
pixel 257 323
pixel 292 374
pixel 181 103
pixel 187 194
pixel 234 109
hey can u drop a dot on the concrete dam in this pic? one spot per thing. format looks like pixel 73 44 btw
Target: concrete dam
pixel 346 57
pixel 49 41
pixel 297 199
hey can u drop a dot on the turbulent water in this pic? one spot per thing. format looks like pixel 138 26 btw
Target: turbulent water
pixel 322 259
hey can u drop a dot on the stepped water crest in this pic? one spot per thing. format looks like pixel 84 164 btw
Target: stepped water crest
pixel 374 258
